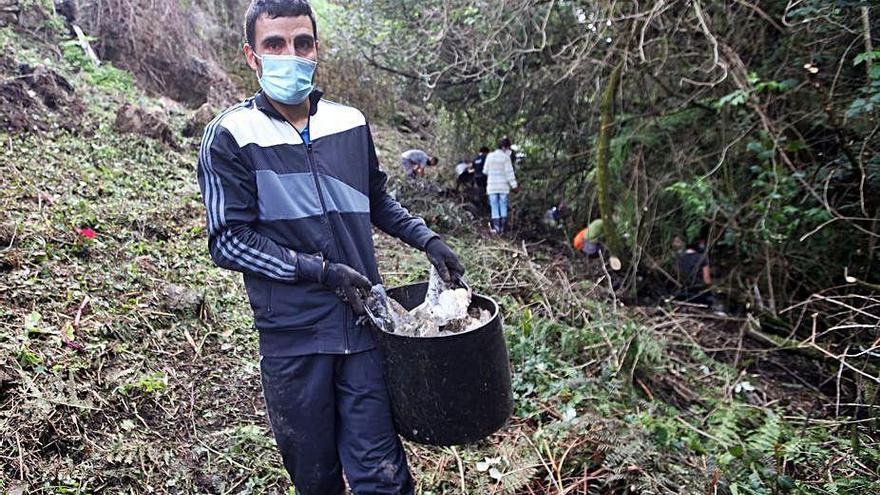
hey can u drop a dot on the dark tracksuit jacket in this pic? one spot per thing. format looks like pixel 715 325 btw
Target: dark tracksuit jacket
pixel 269 197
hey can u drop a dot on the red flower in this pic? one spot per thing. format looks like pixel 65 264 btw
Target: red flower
pixel 87 233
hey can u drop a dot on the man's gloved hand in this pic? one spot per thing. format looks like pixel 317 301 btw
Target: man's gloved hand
pixel 343 279
pixel 444 260
pixel 347 282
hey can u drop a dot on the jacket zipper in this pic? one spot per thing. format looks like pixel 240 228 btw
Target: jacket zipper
pixel 314 169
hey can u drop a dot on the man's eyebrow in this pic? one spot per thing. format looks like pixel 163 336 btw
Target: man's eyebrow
pixel 272 39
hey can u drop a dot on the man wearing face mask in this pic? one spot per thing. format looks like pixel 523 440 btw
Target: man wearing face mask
pixel 291 184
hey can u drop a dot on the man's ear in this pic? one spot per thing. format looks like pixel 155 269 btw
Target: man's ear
pixel 250 58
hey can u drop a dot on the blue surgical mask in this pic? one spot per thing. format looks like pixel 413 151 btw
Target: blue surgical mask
pixel 287 79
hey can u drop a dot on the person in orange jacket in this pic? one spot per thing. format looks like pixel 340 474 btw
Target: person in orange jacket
pixel 589 239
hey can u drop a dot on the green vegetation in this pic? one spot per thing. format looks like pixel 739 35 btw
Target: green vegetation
pixel 107 385
pixel 104 76
pixel 147 384
pixel 776 128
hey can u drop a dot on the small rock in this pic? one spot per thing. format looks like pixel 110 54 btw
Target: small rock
pixel 199 120
pixel 180 299
pixel 136 119
pixel 5 377
pixel 7 234
pixel 10 259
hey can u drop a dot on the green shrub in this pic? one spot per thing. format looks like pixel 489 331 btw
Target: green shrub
pixel 104 76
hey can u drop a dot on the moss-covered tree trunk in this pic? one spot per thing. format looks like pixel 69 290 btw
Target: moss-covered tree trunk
pixel 603 186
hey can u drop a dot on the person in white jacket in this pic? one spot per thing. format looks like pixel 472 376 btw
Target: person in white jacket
pixel 500 180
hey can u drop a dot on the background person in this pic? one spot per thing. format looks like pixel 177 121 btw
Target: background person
pixel 695 274
pixel 500 181
pixel 479 166
pixel 414 162
pixel 464 174
pixel 589 239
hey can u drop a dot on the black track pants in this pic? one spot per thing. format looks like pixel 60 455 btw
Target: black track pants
pixel 330 413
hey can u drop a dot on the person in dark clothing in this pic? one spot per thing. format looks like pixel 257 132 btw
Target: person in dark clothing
pixel 292 188
pixel 512 153
pixel 694 274
pixel 480 178
pixel 479 173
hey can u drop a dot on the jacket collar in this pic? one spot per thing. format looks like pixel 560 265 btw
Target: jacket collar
pixel 266 107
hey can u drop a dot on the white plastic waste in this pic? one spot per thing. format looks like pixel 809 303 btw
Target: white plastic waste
pixel 445 311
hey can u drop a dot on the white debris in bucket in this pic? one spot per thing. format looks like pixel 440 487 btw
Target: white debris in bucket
pixel 445 311
pixel 449 305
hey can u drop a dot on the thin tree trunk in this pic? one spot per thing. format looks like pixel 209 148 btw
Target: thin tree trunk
pixel 603 186
pixel 869 46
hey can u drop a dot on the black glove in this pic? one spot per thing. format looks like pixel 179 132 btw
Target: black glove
pixel 343 279
pixel 348 283
pixel 444 260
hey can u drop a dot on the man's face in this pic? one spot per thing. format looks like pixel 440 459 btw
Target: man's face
pixel 281 36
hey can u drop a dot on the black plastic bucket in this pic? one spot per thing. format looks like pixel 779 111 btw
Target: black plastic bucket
pixel 447 390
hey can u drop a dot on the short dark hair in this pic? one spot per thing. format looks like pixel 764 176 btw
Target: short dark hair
pixel 484 149
pixel 273 9
pixel 504 143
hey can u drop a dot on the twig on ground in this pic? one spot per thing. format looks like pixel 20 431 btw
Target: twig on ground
pixel 460 469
